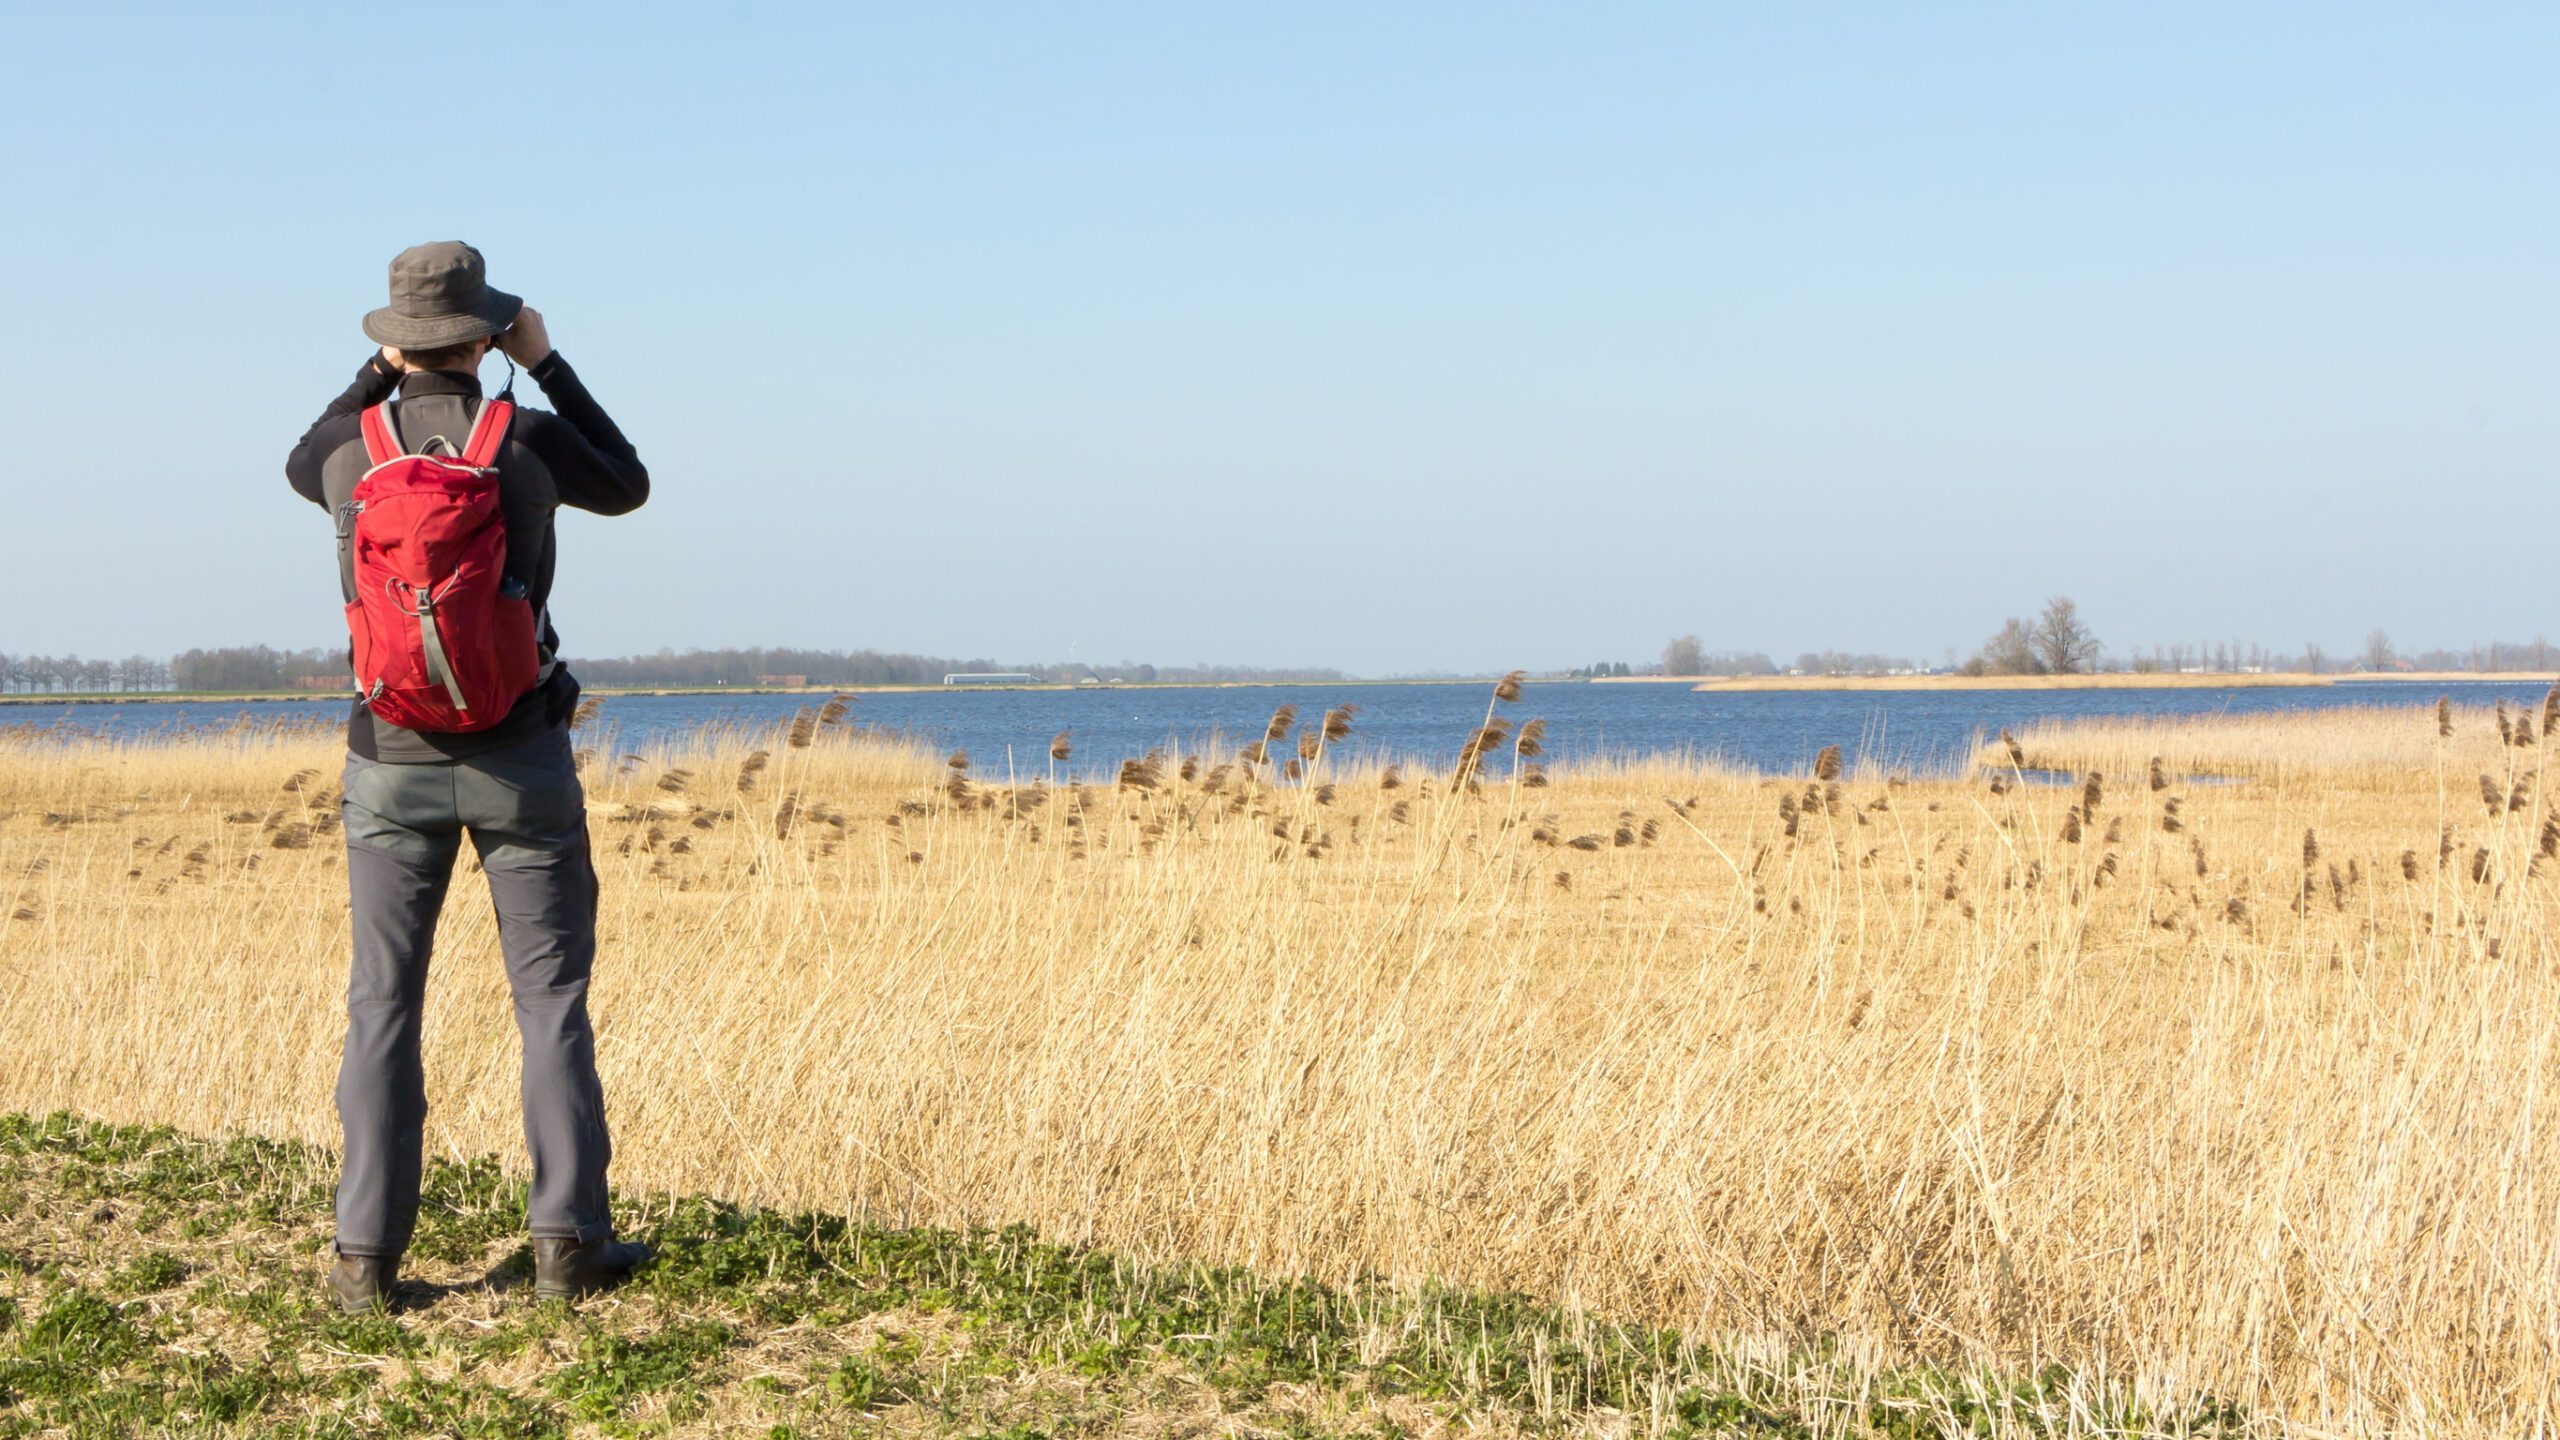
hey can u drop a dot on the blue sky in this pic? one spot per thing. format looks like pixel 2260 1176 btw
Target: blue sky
pixel 1396 338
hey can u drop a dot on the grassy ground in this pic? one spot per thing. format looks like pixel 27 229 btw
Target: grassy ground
pixel 153 1283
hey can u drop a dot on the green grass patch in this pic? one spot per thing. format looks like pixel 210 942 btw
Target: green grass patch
pixel 758 1322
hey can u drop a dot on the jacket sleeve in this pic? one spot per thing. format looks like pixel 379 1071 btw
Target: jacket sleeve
pixel 373 385
pixel 595 468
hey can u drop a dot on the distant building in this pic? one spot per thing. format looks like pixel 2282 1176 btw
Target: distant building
pixel 321 682
pixel 784 682
pixel 991 677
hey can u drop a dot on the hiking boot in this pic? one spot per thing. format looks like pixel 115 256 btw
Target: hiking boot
pixel 564 1269
pixel 361 1284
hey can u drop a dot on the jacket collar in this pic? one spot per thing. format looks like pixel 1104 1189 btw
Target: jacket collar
pixel 439 382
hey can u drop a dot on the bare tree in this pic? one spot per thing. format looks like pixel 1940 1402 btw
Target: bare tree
pixel 2011 652
pixel 2378 653
pixel 1684 656
pixel 2064 644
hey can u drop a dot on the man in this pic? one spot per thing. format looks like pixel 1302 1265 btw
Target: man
pixel 513 785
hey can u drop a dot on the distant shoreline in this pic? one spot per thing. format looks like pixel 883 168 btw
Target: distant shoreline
pixel 2112 680
pixel 597 692
pixel 1740 685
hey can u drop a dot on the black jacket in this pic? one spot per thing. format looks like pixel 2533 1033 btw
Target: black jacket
pixel 576 457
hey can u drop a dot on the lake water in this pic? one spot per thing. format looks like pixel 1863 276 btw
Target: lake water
pixel 1916 730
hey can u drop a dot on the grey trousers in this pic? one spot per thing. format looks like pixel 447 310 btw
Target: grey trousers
pixel 527 817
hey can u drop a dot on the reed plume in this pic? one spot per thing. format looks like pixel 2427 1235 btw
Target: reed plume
pixel 1532 740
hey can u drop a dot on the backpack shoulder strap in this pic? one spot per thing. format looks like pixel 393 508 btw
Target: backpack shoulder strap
pixel 488 434
pixel 381 436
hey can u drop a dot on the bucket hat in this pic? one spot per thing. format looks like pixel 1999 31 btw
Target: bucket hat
pixel 440 295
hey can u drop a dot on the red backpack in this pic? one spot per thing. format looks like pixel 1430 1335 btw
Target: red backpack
pixel 443 640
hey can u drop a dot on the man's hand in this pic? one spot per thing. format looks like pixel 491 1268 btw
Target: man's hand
pixel 391 361
pixel 526 342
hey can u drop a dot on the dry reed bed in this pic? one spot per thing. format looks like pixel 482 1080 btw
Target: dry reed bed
pixel 2388 746
pixel 2232 1088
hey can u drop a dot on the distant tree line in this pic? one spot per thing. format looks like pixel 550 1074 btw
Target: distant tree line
pixel 237 667
pixel 56 674
pixel 261 667
pixel 264 667
pixel 2057 640
pixel 1688 656
pixel 1844 662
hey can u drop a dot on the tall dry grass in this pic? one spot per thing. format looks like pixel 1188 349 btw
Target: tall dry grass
pixel 2234 1089
pixel 2385 747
